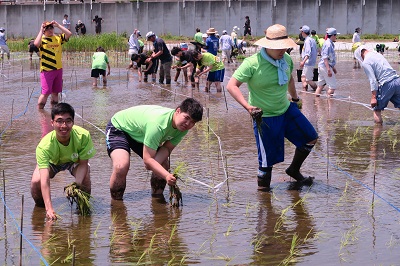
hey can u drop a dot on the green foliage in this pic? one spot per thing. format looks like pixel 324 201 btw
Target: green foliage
pixel 109 41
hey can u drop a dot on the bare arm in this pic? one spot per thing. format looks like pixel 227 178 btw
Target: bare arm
pixel 153 159
pixel 63 29
pixel 45 188
pixel 38 40
pixel 292 89
pixel 81 171
pixel 233 89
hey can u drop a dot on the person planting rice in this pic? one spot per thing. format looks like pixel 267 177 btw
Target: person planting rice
pixel 152 132
pixel 67 147
pixel 99 65
pixel 383 79
pixel 268 77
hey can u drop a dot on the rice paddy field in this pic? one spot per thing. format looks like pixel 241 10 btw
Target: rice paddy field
pixel 349 216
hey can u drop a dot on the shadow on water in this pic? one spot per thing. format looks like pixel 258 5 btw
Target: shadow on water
pixel 349 214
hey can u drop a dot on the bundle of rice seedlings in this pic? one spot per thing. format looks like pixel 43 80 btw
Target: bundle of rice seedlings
pixel 256 114
pixel 80 197
pixel 175 195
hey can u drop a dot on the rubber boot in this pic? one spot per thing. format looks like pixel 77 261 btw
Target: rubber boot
pixel 264 179
pixel 294 169
pixel 168 81
pixel 145 78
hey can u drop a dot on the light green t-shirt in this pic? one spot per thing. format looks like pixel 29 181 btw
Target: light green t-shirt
pixel 100 61
pixel 50 150
pixel 198 37
pixel 209 59
pixel 141 44
pixel 148 124
pixel 262 80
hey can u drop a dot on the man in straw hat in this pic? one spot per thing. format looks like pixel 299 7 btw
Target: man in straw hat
pixel 212 42
pixel 268 77
pixel 383 79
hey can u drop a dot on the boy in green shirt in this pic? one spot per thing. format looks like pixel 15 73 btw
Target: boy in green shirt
pixel 67 147
pixel 99 65
pixel 211 64
pixel 152 132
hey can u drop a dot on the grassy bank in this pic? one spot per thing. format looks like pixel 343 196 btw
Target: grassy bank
pixel 119 42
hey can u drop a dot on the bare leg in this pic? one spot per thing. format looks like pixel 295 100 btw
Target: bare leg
pixel 378 117
pixel 36 190
pixel 94 81
pixel 304 82
pixel 218 85
pixel 121 162
pixel 42 100
pixel 104 80
pixel 318 91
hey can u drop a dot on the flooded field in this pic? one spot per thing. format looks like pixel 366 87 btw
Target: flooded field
pixel 350 216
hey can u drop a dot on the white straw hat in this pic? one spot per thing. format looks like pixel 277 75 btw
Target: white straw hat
pixel 276 38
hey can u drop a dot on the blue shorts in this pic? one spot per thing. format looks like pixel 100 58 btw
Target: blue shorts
pixel 216 76
pixel 292 125
pixel 390 91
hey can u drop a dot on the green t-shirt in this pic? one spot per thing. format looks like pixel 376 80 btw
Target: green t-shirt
pixel 198 37
pixel 316 38
pixel 209 59
pixel 262 80
pixel 50 150
pixel 100 60
pixel 141 44
pixel 148 124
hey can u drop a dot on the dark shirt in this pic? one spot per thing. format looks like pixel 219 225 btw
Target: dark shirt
pixel 80 27
pixel 97 21
pixel 159 45
pixel 142 60
pixel 247 24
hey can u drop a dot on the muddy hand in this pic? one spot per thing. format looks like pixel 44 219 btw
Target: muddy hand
pixel 171 180
pixel 299 103
pixel 256 113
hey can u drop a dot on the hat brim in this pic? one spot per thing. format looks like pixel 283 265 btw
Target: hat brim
pixel 276 44
pixel 211 32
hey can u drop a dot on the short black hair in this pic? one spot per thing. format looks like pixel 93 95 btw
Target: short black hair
pixel 193 108
pixel 313 32
pixel 197 30
pixel 62 108
pixel 134 57
pixel 100 49
pixel 175 50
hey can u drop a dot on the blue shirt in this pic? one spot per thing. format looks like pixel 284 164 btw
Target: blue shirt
pixel 310 49
pixel 328 52
pixel 212 44
pixel 2 39
pixel 378 70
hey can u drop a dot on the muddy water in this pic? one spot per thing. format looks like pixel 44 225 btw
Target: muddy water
pixel 339 220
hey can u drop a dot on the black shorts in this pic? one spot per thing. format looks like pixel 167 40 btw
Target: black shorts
pixel 33 48
pixel 247 31
pixel 97 72
pixel 118 139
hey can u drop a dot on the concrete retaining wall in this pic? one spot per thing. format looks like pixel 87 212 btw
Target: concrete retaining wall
pixel 181 18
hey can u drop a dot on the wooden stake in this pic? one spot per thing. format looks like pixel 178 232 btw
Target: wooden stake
pixel 4 195
pixel 22 224
pixel 73 255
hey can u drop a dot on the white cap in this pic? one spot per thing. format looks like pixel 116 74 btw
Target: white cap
pixel 204 35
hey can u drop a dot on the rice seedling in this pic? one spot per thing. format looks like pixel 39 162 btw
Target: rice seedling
pixel 97 228
pixel 80 197
pixel 293 252
pixel 173 230
pixel 258 242
pixel 348 238
pixel 228 231
pixel 392 242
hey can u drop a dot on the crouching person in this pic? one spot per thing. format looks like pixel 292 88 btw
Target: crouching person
pixel 152 132
pixel 67 147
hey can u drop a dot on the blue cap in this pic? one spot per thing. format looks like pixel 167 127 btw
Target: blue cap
pixel 331 31
pixel 305 29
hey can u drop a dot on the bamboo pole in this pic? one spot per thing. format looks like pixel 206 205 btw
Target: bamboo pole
pixel 22 224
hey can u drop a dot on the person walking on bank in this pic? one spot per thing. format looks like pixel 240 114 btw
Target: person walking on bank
pixel 356 40
pixel 80 27
pixel 67 147
pixel 383 79
pixel 66 22
pixel 152 132
pixel 326 66
pixel 51 71
pixel 161 52
pixel 247 28
pixel 97 20
pixel 269 79
pixel 308 59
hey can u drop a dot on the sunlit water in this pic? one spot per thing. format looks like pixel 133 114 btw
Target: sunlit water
pixel 339 220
